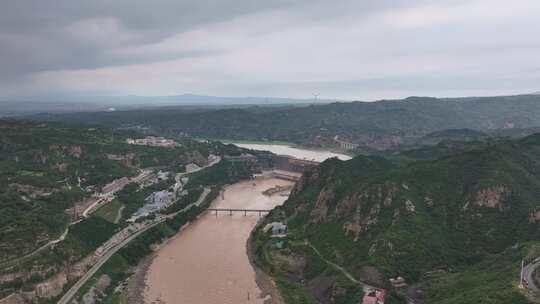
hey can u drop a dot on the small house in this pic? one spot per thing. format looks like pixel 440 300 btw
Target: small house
pixel 374 296
pixel 278 229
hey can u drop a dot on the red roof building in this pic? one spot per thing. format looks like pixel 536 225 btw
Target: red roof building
pixel 374 296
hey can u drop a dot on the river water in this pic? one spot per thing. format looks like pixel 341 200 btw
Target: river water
pixel 315 155
pixel 207 262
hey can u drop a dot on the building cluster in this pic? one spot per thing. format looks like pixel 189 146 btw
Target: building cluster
pixel 278 232
pixel 160 200
pixel 154 178
pixel 162 197
pixel 153 141
pixel 345 145
pixel 155 202
pixel 278 229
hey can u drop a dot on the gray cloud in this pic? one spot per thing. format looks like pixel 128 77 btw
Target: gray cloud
pixel 44 35
pixel 344 48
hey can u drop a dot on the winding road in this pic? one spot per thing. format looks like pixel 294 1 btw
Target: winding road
pixel 528 275
pixel 75 288
pixel 66 298
pixel 90 273
pixel 336 266
pixel 94 206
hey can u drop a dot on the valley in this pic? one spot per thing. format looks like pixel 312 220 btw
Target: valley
pixel 92 209
pixel 400 225
pixel 207 262
pixel 269 152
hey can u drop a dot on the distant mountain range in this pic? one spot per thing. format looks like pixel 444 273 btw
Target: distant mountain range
pixel 13 108
pixel 377 125
pixel 103 103
pixel 64 104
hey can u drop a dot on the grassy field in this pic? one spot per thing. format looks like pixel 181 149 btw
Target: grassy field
pixel 109 212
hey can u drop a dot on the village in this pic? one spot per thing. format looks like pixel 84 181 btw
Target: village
pixel 153 141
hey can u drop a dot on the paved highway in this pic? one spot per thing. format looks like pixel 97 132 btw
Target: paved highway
pixel 75 288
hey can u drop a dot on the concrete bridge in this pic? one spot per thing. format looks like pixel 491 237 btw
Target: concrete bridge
pixel 231 211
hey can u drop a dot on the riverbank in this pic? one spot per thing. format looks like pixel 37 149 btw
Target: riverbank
pixel 269 291
pixel 137 284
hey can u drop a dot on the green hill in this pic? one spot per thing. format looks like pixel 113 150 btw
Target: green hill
pixel 382 220
pixel 47 168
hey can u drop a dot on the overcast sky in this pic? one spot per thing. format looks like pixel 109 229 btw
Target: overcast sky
pixel 358 49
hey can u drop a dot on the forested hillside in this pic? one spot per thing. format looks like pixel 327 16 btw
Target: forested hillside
pixel 447 216
pixel 373 125
pixel 48 169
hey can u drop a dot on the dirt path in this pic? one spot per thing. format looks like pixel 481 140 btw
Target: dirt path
pixel 336 266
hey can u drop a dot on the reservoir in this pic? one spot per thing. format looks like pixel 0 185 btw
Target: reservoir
pixel 300 153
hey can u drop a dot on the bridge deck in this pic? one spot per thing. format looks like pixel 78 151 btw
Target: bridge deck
pixel 237 210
